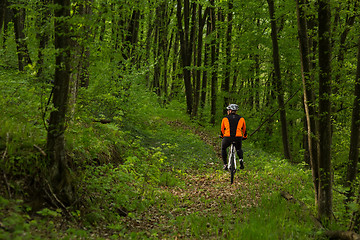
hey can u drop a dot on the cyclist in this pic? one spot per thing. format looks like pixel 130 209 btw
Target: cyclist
pixel 233 129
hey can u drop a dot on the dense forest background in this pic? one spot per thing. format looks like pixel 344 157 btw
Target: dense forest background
pixel 95 82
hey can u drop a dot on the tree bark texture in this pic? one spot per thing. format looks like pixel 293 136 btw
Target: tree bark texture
pixel 156 53
pixel 203 92
pixel 186 41
pixel 214 58
pixel 161 54
pixel 42 36
pixel 202 20
pixel 150 27
pixel 80 57
pixel 20 38
pixel 165 45
pixel 226 86
pixel 6 14
pixel 257 81
pixel 277 80
pixel 325 184
pixel 3 9
pixel 309 98
pixel 175 84
pixel 355 132
pixel 131 36
pixel 349 22
pixel 59 174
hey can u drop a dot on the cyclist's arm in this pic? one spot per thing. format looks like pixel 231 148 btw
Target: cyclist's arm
pixel 243 128
pixel 222 128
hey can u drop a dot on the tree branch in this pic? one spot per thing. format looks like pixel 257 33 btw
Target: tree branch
pixel 3 160
pixel 258 128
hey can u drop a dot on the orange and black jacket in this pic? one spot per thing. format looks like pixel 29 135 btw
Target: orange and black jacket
pixel 233 125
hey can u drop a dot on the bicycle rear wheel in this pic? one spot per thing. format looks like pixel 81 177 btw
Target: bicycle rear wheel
pixel 232 168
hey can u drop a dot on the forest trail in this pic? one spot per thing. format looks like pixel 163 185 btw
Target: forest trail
pixel 203 194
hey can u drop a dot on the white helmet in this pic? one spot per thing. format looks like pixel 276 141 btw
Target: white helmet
pixel 232 107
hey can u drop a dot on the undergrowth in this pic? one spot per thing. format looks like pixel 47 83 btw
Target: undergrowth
pixel 146 174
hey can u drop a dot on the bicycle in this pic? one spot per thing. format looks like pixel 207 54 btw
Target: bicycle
pixel 232 162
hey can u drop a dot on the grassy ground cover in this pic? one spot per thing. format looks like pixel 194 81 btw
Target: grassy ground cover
pixel 150 174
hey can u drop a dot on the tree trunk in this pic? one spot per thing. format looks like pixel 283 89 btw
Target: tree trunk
pixel 80 56
pixel 234 87
pixel 84 79
pixel 150 29
pixel 257 82
pixel 349 22
pixel 175 83
pixel 185 50
pixel 60 179
pixel 308 94
pixel 156 53
pixel 354 139
pixel 214 57
pixel 20 38
pixel 3 9
pixel 131 36
pixel 7 16
pixel 203 92
pixel 226 85
pixel 325 184
pixel 277 81
pixel 165 46
pixel 43 36
pixel 202 20
pixel 160 50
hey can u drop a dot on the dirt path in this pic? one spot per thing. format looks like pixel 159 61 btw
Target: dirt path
pixel 204 193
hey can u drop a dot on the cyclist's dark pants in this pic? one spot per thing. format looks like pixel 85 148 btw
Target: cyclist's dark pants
pixel 226 142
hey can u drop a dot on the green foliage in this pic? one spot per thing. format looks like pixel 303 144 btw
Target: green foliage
pixel 17 223
pixel 48 212
pixel 14 224
pixel 285 220
pixel 183 148
pixel 271 218
pixel 135 163
pixel 142 159
pixel 22 130
pixel 108 191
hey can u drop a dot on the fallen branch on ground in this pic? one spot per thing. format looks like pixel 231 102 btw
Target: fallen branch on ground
pixel 3 160
pixel 342 235
pixel 40 150
pixel 103 121
pixel 290 198
pixel 52 196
